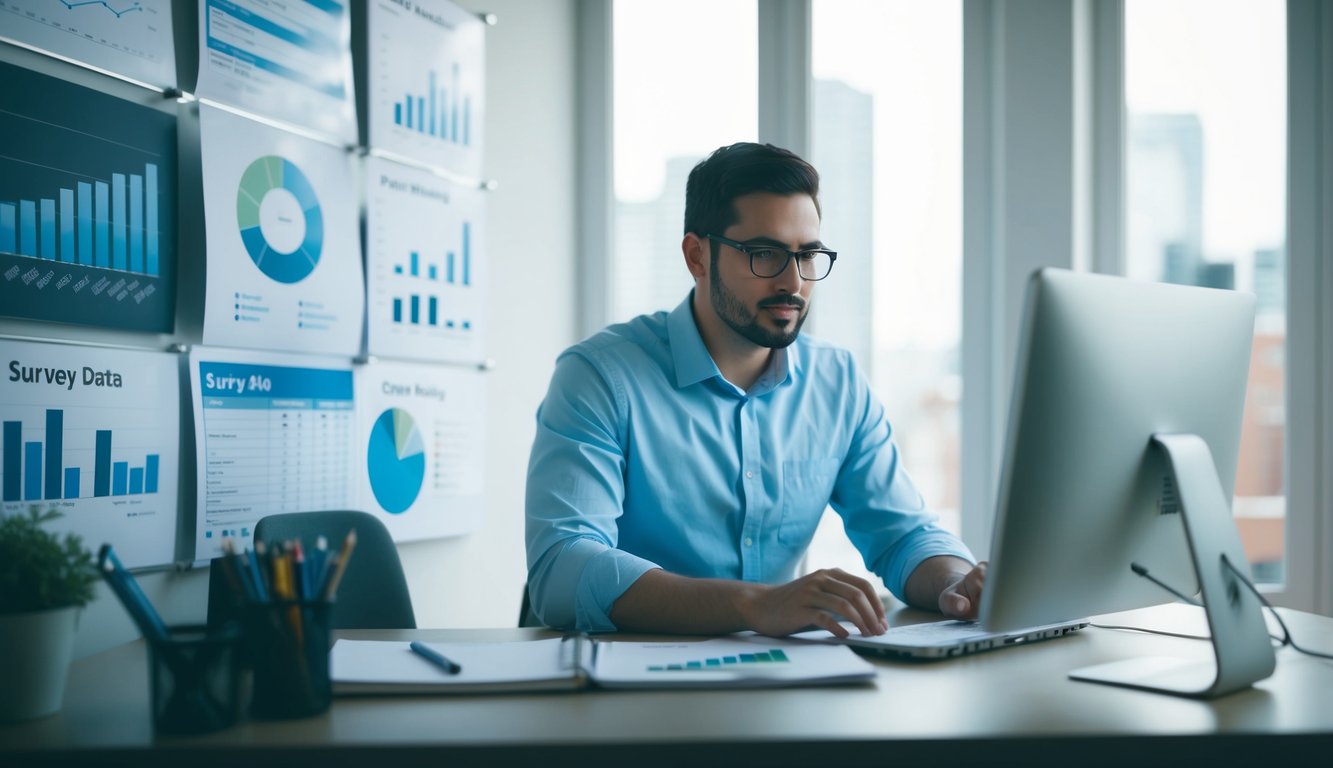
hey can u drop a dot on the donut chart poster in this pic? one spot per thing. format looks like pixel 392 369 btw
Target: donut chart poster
pixel 421 447
pixel 283 252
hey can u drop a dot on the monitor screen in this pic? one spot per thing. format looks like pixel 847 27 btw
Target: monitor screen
pixel 1103 364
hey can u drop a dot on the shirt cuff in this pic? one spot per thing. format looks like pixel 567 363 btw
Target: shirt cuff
pixel 606 576
pixel 925 542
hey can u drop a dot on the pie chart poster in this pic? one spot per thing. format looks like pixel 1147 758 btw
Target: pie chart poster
pixel 281 233
pixel 422 446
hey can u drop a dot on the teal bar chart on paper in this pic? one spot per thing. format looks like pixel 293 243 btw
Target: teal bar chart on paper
pixel 94 433
pixel 422 440
pixel 427 83
pixel 132 38
pixel 87 206
pixel 273 434
pixel 425 267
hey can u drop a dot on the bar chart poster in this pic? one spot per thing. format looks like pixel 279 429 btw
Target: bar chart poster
pixel 425 266
pixel 87 206
pixel 422 447
pixel 288 60
pixel 427 83
pixel 95 434
pixel 273 434
pixel 131 38
pixel 282 238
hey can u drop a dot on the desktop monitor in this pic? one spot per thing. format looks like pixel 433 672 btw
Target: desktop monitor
pixel 1104 365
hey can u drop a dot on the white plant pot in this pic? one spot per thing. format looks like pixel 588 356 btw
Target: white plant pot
pixel 35 650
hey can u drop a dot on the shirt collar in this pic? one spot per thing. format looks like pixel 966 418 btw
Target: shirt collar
pixel 694 364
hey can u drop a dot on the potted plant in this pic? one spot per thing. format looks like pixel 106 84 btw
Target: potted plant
pixel 44 580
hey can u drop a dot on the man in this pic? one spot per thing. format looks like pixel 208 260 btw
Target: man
pixel 683 460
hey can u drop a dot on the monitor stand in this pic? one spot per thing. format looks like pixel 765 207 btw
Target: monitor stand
pixel 1243 652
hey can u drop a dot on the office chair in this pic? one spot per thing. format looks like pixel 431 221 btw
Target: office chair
pixel 373 593
pixel 526 617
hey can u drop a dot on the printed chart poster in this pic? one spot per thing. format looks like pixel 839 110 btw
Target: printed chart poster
pixel 284 250
pixel 286 59
pixel 273 434
pixel 131 38
pixel 427 83
pixel 87 206
pixel 425 266
pixel 94 433
pixel 422 443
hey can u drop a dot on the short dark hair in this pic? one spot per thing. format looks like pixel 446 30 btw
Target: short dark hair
pixel 737 170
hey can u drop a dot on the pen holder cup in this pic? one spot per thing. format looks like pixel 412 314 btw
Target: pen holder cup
pixel 195 676
pixel 288 644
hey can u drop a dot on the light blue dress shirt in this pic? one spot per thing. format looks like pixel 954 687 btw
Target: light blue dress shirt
pixel 646 457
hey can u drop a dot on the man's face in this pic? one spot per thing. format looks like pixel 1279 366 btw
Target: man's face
pixel 767 311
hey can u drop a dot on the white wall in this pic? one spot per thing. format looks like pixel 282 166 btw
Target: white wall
pixel 477 580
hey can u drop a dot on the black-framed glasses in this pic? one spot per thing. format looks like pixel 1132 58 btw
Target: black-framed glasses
pixel 771 261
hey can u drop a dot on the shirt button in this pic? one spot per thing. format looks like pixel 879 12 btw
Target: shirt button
pixel 749 542
pixel 748 473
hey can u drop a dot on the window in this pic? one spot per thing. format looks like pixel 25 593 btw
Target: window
pixel 1205 89
pixel 887 136
pixel 686 83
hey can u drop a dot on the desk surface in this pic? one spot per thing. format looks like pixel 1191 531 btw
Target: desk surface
pixel 1010 705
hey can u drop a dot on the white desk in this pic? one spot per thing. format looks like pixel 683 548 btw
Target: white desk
pixel 1014 706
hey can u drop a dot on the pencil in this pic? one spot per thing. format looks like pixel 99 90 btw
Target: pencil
pixel 340 567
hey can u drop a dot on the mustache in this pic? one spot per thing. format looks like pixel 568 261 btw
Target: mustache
pixel 785 299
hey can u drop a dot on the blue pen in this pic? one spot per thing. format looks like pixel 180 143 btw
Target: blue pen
pixel 253 563
pixel 131 596
pixel 434 657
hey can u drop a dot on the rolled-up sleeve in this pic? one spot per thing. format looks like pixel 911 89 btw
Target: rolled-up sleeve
pixel 883 512
pixel 575 496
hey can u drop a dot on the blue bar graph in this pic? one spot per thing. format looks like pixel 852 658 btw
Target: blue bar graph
pixel 398 310
pixel 150 223
pixel 67 225
pixel 48 249
pixel 444 113
pixel 55 446
pixel 118 239
pixel 433 313
pixel 27 228
pixel 102 224
pixel 136 223
pixel 416 309
pixel 8 229
pixel 102 464
pixel 415 264
pixel 85 223
pixel 87 183
pixel 35 469
pixel 467 254
pixel 13 460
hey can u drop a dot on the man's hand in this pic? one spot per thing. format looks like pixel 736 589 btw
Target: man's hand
pixel 962 599
pixel 949 585
pixel 817 599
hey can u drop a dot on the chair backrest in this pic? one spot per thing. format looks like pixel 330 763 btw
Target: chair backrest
pixel 526 616
pixel 373 593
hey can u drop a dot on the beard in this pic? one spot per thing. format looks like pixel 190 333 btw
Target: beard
pixel 746 322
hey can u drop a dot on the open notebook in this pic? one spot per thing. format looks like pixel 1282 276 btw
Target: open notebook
pixel 381 666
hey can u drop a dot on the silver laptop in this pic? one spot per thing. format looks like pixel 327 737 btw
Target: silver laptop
pixel 941 639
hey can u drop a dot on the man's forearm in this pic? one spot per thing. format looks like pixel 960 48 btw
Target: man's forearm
pixel 665 602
